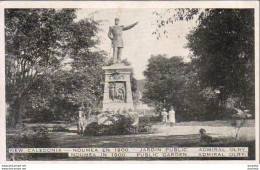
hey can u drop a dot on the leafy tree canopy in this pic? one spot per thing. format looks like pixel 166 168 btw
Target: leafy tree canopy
pixel 222 46
pixel 39 44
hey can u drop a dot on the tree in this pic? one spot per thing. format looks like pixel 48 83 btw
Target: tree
pixel 31 47
pixel 227 61
pixel 38 43
pixel 172 82
pixel 222 48
pixel 239 120
pixel 166 80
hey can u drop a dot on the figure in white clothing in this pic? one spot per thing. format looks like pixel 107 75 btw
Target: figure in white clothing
pixel 164 115
pixel 172 116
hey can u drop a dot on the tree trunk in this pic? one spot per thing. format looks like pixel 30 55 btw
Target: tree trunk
pixel 15 115
pixel 15 106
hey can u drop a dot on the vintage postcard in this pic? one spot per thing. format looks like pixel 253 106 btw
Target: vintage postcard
pixel 130 81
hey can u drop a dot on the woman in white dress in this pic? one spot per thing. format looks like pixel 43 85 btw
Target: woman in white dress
pixel 172 116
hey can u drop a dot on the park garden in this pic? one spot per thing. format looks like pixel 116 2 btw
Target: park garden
pixel 53 69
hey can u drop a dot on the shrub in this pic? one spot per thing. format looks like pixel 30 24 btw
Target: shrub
pixel 120 124
pixel 144 119
pixel 92 129
pixel 22 137
pixel 144 127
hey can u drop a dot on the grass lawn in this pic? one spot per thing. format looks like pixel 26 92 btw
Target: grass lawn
pixel 72 140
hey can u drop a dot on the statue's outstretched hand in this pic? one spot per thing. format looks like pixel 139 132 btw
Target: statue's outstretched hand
pixel 130 26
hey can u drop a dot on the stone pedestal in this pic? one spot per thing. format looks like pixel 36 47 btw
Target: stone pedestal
pixel 117 90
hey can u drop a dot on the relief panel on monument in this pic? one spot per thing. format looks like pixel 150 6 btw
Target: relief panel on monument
pixel 117 92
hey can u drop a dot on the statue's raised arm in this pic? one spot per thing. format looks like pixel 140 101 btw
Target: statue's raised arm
pixel 130 26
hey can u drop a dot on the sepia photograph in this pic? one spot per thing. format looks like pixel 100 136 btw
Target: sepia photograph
pixel 137 83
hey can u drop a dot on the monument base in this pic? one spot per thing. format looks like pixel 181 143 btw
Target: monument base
pixel 115 107
pixel 117 89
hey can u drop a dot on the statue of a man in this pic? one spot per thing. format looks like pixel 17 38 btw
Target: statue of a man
pixel 115 34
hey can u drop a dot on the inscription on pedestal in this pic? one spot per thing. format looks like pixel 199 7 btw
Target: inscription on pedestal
pixel 116 77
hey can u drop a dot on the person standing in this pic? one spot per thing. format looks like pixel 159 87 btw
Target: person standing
pixel 165 115
pixel 81 121
pixel 172 116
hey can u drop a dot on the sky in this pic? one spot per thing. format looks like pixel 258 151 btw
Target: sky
pixel 139 42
